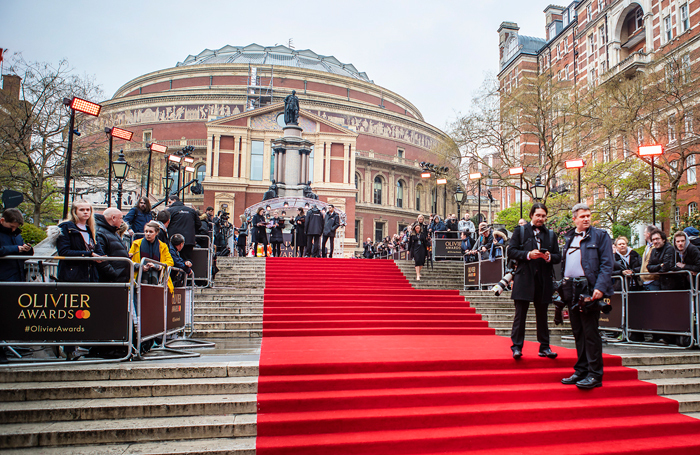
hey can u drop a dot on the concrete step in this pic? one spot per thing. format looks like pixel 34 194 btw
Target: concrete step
pixel 217 446
pixel 674 357
pixel 209 334
pixel 21 435
pixel 225 309
pixel 76 390
pixel 227 318
pixel 675 386
pixel 687 402
pixel 251 325
pixel 531 333
pixel 669 371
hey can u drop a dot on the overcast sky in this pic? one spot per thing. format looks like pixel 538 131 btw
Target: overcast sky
pixel 434 53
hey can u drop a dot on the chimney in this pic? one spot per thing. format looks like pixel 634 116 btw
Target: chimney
pixel 10 85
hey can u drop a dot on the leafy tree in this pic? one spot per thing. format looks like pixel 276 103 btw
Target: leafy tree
pixel 32 234
pixel 510 216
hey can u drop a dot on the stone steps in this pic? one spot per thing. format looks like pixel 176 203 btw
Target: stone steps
pixel 207 334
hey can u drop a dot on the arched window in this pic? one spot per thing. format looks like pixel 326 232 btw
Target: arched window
pixel 201 172
pixel 419 195
pixel 378 183
pixel 400 185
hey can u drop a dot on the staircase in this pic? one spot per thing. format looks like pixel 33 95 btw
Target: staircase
pixel 233 307
pixel 145 408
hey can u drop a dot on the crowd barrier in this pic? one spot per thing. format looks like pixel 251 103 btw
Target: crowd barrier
pixel 484 272
pixel 446 245
pixel 202 258
pixel 396 255
pixel 50 313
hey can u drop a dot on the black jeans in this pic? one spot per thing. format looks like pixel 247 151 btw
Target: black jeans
pixel 325 239
pixel 517 334
pixel 276 249
pixel 589 345
pixel 313 247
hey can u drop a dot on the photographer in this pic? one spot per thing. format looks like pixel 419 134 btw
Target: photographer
pixel 222 231
pixel 587 271
pixel 242 236
pixel 368 249
pixel 535 248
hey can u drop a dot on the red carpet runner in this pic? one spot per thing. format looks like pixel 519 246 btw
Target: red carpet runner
pixel 356 361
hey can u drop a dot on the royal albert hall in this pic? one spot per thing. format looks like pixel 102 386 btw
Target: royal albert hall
pixel 228 103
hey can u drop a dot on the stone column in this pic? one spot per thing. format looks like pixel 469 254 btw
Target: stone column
pixel 217 143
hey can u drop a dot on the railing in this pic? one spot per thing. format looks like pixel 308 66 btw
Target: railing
pixel 135 146
pixel 636 58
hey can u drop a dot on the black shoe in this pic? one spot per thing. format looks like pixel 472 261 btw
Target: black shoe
pixel 548 353
pixel 517 353
pixel 589 383
pixel 573 379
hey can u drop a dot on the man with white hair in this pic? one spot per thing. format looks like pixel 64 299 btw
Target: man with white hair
pixel 107 224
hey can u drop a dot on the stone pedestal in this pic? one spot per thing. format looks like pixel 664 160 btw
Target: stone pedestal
pixel 291 155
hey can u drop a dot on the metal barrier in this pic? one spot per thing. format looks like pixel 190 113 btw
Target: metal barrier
pixel 202 260
pixel 484 272
pixel 446 248
pixel 615 320
pixel 66 314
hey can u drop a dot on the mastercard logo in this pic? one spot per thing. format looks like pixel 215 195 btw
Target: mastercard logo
pixel 82 314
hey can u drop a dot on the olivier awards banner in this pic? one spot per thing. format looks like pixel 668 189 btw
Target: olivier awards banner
pixel 448 248
pixel 32 312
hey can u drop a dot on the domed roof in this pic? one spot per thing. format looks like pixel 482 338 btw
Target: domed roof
pixel 255 54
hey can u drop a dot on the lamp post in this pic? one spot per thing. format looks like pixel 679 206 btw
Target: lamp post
pixel 175 159
pixel 459 197
pixel 120 169
pixel 112 133
pixel 153 148
pixel 444 199
pixel 576 164
pixel 429 170
pixel 538 190
pixel 477 176
pixel 651 151
pixel 86 107
pixel 189 169
pixel 519 171
pixel 167 182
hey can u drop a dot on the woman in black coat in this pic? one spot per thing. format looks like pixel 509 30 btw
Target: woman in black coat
pixel 242 236
pixel 260 234
pixel 627 262
pixel 418 245
pixel 299 233
pixel 276 235
pixel 77 238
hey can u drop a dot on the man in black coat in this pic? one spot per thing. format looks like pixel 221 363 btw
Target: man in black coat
pixel 12 244
pixel 687 258
pixel 662 259
pixel 587 269
pixel 314 229
pixel 535 249
pixel 331 223
pixel 106 236
pixel 183 221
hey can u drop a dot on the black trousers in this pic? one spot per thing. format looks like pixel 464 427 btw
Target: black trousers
pixel 517 334
pixel 589 345
pixel 313 246
pixel 325 239
pixel 276 249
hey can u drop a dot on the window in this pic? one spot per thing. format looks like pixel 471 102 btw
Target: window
pixel 357 232
pixel 685 22
pixel 589 14
pixel 147 136
pixel 379 230
pixel 639 19
pixel 591 44
pixel 688 121
pixel 400 185
pixel 256 160
pixel 668 31
pixel 201 172
pixel 552 30
pixel 692 208
pixel 685 68
pixel 692 176
pixel 601 5
pixel 377 190
pixel 402 227
pixel 601 35
pixel 606 154
pixel 357 187
pixel 419 190
pixel 677 218
pixel 565 17
pixel 672 129
pixel 401 153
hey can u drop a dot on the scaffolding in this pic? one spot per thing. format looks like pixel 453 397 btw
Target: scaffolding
pixel 259 95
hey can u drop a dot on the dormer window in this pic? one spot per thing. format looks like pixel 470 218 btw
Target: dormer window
pixel 511 47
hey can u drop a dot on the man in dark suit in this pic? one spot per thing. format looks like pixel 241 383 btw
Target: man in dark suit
pixel 183 221
pixel 331 223
pixel 535 249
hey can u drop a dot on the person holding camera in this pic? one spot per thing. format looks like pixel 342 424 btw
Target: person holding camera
pixel 535 249
pixel 587 271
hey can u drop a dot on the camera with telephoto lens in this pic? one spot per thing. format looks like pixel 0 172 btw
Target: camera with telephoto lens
pixel 503 284
pixel 585 304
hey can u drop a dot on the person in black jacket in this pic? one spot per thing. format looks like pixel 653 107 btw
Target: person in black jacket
pixel 177 242
pixel 107 224
pixel 314 229
pixel 627 262
pixel 138 216
pixel 299 233
pixel 687 258
pixel 77 238
pixel 535 248
pixel 418 244
pixel 183 220
pixel 331 223
pixel 661 259
pixel 12 244
pixel 276 235
pixel 260 233
pixel 242 236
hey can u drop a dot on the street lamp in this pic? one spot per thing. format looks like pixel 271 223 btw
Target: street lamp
pixel 86 107
pixel 651 151
pixel 187 169
pixel 519 171
pixel 112 133
pixel 429 169
pixel 576 164
pixel 538 190
pixel 153 148
pixel 477 176
pixel 459 197
pixel 167 182
pixel 120 169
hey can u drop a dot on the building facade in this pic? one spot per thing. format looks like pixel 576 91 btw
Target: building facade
pixel 367 140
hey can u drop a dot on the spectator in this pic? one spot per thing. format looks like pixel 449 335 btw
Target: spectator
pixel 276 235
pixel 467 246
pixel 163 220
pixel 152 248
pixel 466 225
pixel 12 244
pixel 260 234
pixel 661 259
pixel 498 245
pixel 627 262
pixel 522 222
pixel 484 241
pixel 331 223
pixel 177 242
pixel 368 249
pixel 183 220
pixel 647 279
pixel 111 244
pixel 242 236
pixel 687 257
pixel 437 225
pixel 139 215
pixel 451 226
pixel 209 213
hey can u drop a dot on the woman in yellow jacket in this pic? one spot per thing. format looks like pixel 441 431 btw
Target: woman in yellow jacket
pixel 152 248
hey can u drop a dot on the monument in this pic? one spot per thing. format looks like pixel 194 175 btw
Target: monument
pixel 291 154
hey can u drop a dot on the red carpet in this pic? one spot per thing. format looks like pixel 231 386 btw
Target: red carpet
pixel 356 361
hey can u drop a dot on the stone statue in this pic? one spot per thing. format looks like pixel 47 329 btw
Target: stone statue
pixel 271 192
pixel 291 109
pixel 307 191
